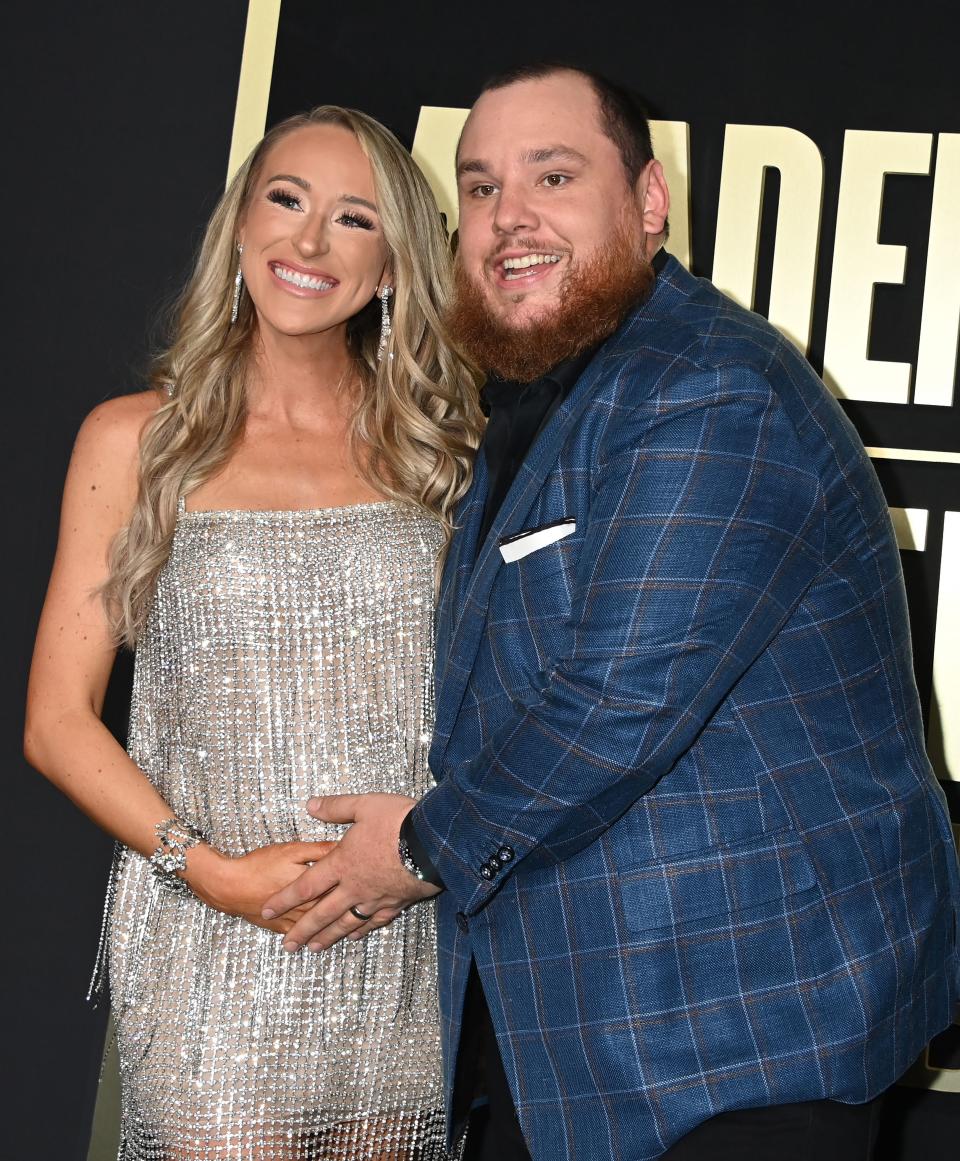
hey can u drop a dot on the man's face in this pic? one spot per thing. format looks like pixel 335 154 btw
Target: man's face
pixel 543 191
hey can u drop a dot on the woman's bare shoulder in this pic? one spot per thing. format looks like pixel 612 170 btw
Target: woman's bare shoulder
pixel 107 449
pixel 118 423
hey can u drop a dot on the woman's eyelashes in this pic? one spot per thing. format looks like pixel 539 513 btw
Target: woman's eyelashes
pixel 283 197
pixel 354 220
pixel 291 201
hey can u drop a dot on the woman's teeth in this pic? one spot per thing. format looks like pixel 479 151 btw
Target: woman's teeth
pixel 303 280
pixel 513 266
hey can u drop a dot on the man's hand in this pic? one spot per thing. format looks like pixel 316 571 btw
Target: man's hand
pixel 364 871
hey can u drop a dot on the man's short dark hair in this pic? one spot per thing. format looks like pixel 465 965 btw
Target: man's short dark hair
pixel 622 115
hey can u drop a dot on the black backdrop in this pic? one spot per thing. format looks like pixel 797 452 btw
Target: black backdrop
pixel 118 128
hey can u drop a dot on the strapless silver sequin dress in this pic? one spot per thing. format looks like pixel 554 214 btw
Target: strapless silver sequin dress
pixel 286 654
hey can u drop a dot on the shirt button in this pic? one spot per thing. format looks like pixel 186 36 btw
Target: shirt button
pixel 462 922
pixel 505 854
pixel 487 871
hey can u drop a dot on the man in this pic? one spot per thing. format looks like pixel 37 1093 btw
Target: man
pixel 689 841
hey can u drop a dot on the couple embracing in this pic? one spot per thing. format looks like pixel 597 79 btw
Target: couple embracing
pixel 696 891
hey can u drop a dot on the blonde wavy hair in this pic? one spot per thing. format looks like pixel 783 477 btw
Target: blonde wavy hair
pixel 417 422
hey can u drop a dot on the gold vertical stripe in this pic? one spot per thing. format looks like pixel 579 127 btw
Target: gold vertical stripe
pixel 256 70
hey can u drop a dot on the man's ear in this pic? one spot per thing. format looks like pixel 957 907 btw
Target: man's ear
pixel 653 197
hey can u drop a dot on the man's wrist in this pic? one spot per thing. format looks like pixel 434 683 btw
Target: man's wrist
pixel 413 855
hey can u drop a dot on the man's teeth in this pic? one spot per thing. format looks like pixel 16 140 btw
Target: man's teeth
pixel 301 279
pixel 528 260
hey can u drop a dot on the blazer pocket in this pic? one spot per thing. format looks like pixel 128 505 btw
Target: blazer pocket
pixel 717 881
pixel 521 544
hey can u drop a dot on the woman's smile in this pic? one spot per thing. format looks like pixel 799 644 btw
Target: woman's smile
pixel 301 281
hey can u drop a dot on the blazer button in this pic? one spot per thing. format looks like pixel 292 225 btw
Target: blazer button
pixel 505 854
pixel 487 871
pixel 462 922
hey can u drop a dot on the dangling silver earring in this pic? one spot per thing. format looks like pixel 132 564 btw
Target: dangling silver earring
pixel 385 328
pixel 237 287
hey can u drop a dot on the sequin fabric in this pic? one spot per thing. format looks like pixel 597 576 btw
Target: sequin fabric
pixel 286 654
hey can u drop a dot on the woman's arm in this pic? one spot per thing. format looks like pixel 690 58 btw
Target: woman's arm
pixel 64 736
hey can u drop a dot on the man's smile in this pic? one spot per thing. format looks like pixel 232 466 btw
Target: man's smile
pixel 525 266
pixel 519 267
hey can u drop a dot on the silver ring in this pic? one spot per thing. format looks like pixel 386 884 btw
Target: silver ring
pixel 358 914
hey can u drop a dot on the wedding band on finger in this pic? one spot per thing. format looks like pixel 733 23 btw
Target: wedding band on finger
pixel 358 914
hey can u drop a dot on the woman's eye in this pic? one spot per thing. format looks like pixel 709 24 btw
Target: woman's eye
pixel 355 221
pixel 284 198
pixel 555 180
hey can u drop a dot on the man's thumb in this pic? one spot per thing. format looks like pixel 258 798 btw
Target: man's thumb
pixel 334 808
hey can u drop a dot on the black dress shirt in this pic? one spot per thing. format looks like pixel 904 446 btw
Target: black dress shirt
pixel 517 413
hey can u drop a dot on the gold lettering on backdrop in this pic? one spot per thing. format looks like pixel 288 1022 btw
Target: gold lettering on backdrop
pixel 860 262
pixel 937 361
pixel 435 148
pixel 748 152
pixel 910 527
pixel 671 145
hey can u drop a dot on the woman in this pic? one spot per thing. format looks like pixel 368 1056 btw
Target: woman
pixel 264 525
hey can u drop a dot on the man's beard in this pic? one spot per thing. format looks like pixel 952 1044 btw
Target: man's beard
pixel 594 298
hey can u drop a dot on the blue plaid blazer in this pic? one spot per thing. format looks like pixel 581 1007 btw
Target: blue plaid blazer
pixel 684 815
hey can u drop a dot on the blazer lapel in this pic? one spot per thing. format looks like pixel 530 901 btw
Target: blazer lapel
pixel 459 565
pixel 473 568
pixel 466 613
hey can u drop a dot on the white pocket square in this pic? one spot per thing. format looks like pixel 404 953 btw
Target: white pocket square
pixel 523 543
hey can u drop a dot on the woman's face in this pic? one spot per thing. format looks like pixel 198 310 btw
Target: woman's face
pixel 313 247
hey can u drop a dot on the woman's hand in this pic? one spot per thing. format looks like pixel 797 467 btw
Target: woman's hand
pixel 240 885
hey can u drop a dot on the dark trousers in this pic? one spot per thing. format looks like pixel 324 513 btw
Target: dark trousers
pixel 808 1131
pixel 494 1133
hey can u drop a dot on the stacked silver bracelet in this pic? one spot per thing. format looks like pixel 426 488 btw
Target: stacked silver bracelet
pixel 176 838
